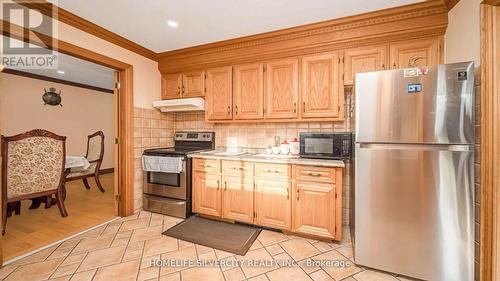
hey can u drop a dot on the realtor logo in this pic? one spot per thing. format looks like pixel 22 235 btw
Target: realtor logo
pixel 31 35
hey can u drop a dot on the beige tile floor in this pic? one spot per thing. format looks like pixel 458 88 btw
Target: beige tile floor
pixel 128 248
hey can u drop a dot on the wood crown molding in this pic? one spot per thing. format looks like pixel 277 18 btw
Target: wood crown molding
pixel 55 80
pixel 491 2
pixel 450 3
pixel 71 19
pixel 419 20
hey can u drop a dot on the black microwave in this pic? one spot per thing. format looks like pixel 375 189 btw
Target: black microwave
pixel 327 145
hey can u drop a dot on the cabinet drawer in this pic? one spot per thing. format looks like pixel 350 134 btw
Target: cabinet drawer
pixel 282 171
pixel 237 167
pixel 311 173
pixel 208 165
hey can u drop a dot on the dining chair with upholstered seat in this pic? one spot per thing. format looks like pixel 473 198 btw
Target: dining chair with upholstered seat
pixel 95 154
pixel 32 167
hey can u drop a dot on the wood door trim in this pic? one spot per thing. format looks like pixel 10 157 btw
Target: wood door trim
pixel 125 167
pixel 73 20
pixel 490 142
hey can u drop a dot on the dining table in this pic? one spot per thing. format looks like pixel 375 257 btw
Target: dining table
pixel 72 163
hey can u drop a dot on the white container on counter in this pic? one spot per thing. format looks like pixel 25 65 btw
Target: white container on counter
pixel 295 147
pixel 285 148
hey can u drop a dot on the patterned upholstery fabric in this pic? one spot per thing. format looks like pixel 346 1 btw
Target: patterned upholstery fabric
pixel 34 165
pixel 94 151
pixel 82 172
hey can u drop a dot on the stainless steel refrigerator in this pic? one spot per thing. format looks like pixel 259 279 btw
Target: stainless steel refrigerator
pixel 414 171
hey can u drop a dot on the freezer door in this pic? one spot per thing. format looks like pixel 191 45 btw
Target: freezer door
pixel 437 107
pixel 414 210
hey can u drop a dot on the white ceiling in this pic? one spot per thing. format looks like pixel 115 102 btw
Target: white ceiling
pixel 206 21
pixel 79 71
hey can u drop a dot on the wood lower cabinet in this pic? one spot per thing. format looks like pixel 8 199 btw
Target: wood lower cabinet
pixel 207 193
pixel 320 86
pixel 248 91
pixel 364 59
pixel 237 198
pixel 282 89
pixel 193 84
pixel 273 203
pixel 297 198
pixel 420 52
pixel 171 86
pixel 314 209
pixel 219 95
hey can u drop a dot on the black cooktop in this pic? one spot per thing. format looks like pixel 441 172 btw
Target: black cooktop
pixel 172 151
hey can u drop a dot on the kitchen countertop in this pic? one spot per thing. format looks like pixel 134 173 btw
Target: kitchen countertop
pixel 271 159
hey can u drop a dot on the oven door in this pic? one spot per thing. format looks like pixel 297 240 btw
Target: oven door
pixel 171 185
pixel 318 145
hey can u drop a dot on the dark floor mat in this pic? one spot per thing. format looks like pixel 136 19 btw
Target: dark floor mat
pixel 233 238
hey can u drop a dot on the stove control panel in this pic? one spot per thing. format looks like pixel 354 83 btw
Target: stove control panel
pixel 194 136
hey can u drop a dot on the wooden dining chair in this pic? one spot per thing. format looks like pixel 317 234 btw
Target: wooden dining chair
pixel 32 167
pixel 95 154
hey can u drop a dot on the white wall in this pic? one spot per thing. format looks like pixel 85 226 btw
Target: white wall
pixel 83 112
pixel 462 35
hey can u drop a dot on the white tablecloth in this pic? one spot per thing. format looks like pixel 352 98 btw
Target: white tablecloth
pixel 77 162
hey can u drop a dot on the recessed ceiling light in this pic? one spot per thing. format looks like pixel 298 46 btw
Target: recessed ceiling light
pixel 172 23
pixel 61 72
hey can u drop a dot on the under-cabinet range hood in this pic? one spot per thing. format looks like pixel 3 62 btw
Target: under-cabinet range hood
pixel 180 105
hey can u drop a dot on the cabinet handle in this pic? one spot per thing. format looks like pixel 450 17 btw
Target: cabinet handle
pixel 294 107
pixel 236 107
pixel 178 89
pixel 298 194
pixel 383 66
pixel 304 107
pixel 236 168
pixel 218 184
pixel 183 90
pixel 394 65
pixel 225 186
pixel 287 194
pixel 228 110
pixel 271 171
pixel 314 175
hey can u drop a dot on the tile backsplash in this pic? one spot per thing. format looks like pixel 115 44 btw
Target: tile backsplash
pixel 252 135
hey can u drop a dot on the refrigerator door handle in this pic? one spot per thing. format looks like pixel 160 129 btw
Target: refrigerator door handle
pixel 406 146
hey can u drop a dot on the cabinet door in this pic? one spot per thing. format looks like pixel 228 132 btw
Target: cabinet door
pixel 313 209
pixel 282 89
pixel 219 95
pixel 237 198
pixel 422 52
pixel 364 59
pixel 248 88
pixel 207 193
pixel 320 86
pixel 273 203
pixel 171 86
pixel 193 84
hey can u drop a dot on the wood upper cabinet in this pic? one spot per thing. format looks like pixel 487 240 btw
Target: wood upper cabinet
pixel 219 95
pixel 193 84
pixel 248 95
pixel 282 89
pixel 237 198
pixel 423 52
pixel 320 86
pixel 273 203
pixel 313 208
pixel 363 59
pixel 207 193
pixel 171 85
